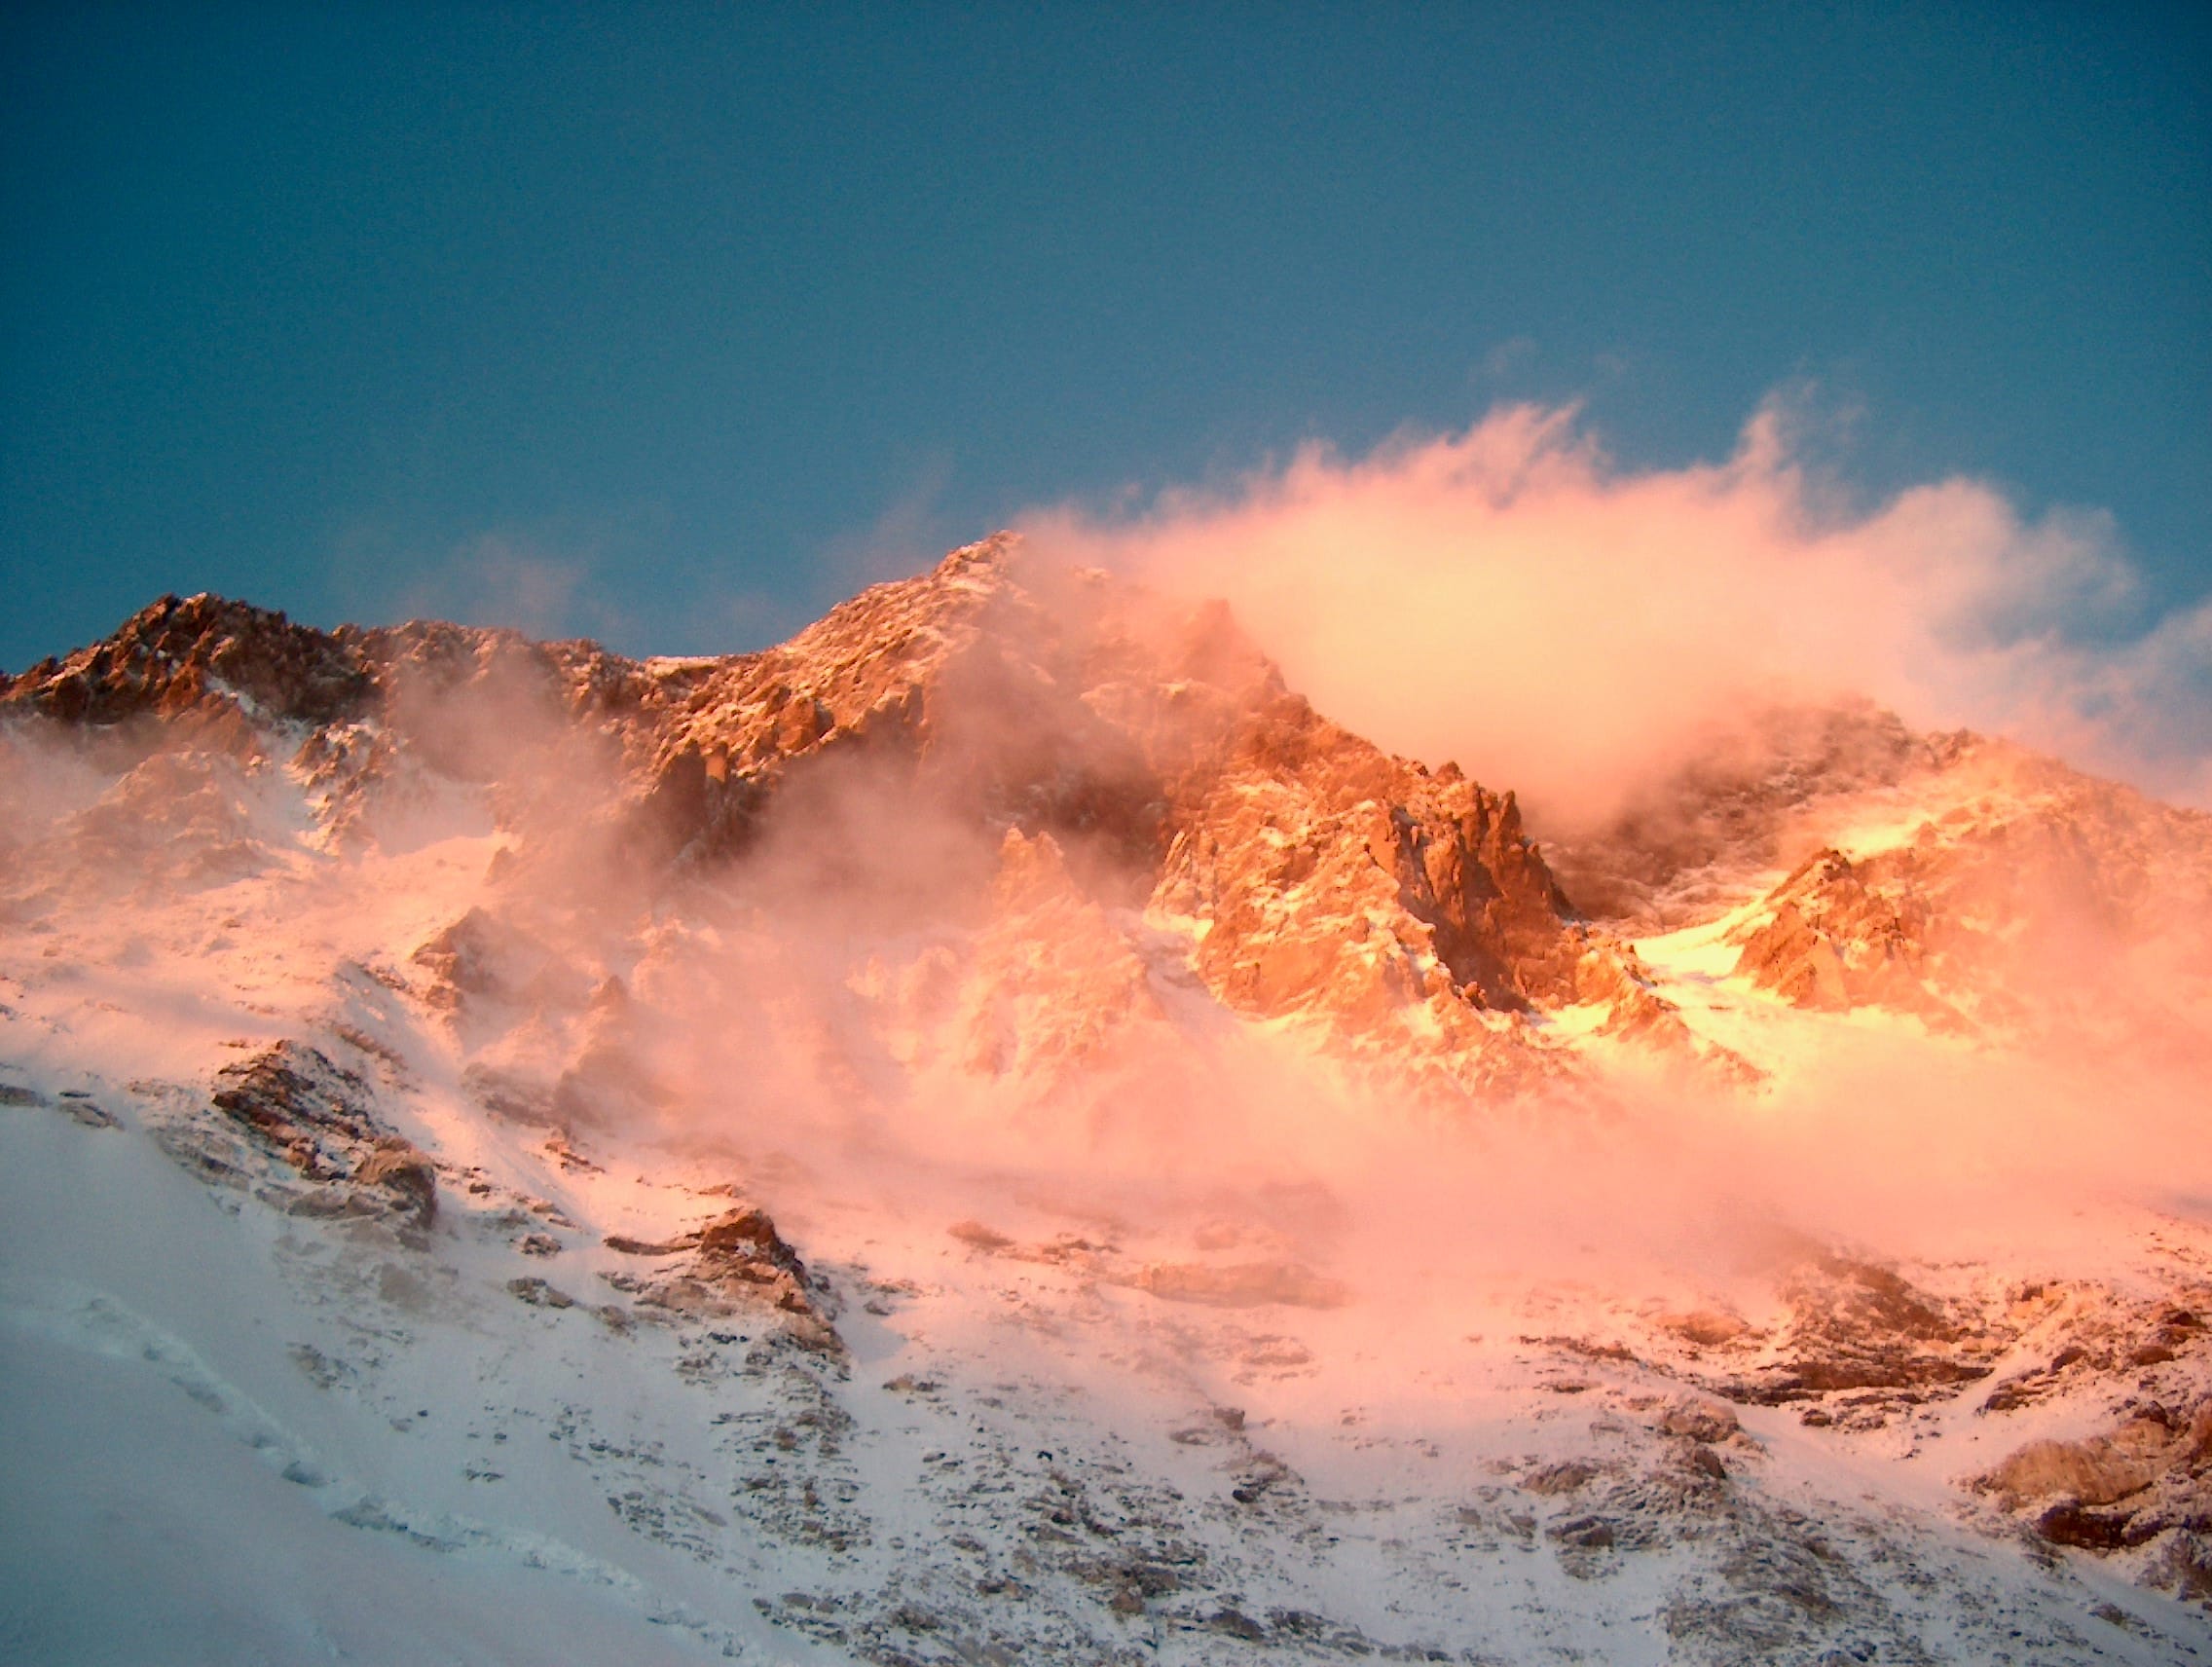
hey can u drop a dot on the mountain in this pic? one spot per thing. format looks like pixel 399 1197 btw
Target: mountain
pixel 992 1131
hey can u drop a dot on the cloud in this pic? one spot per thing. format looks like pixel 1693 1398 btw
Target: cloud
pixel 549 585
pixel 501 579
pixel 1512 598
pixel 910 530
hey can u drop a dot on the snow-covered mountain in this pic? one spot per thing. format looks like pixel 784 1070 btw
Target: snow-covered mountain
pixel 993 1131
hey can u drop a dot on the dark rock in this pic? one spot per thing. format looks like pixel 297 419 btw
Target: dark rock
pixel 194 655
pixel 1562 1478
pixel 403 1171
pixel 2072 1523
pixel 316 1119
pixel 539 1294
pixel 1588 1533
pixel 1699 1421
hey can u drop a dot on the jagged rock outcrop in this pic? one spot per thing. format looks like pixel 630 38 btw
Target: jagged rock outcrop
pixel 2005 890
pixel 2143 1485
pixel 1841 936
pixel 1858 1326
pixel 301 1132
pixel 885 755
pixel 204 657
pixel 1746 801
pixel 1019 891
pixel 736 1264
pixel 2089 1335
pixel 1857 1344
pixel 1320 862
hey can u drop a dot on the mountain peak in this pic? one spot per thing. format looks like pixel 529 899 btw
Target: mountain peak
pixel 985 560
pixel 1145 741
pixel 184 653
pixel 1007 1022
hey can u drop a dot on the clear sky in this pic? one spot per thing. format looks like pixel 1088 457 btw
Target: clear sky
pixel 673 324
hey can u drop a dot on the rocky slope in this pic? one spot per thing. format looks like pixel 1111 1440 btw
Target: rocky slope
pixel 1960 880
pixel 993 1131
pixel 1392 912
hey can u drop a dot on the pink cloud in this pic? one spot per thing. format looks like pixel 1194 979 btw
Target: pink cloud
pixel 1511 598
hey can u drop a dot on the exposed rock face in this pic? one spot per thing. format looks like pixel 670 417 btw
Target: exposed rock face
pixel 1149 756
pixel 1951 876
pixel 2144 1484
pixel 1027 854
pixel 218 658
pixel 463 959
pixel 178 820
pixel 2012 891
pixel 1844 936
pixel 736 1264
pixel 206 658
pixel 1858 1326
pixel 1159 748
pixel 482 961
pixel 1071 706
pixel 1858 1345
pixel 288 1116
pixel 1320 862
pixel 2088 1337
pixel 1741 804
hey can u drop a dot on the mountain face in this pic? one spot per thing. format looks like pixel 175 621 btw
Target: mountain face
pixel 1160 755
pixel 994 1132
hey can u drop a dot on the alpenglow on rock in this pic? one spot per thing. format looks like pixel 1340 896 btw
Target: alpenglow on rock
pixel 994 1132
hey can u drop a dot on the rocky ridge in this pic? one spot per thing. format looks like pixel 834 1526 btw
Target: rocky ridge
pixel 2016 894
pixel 1398 911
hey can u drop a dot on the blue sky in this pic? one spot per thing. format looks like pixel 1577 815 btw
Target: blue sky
pixel 672 324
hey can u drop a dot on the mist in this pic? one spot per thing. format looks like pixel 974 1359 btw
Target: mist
pixel 932 976
pixel 887 999
pixel 1510 597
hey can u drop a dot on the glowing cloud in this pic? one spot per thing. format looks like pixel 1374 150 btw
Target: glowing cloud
pixel 1510 597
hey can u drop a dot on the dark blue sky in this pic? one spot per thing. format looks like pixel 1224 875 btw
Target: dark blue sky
pixel 673 324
